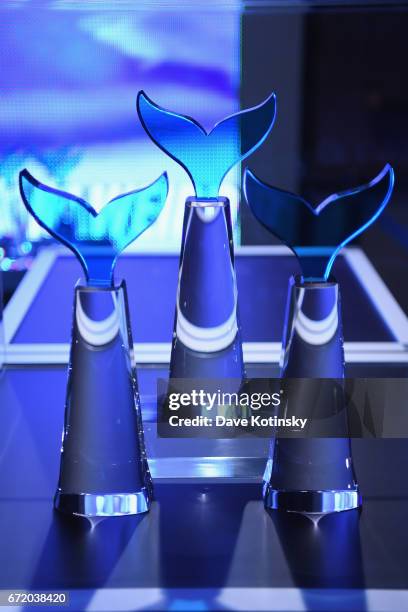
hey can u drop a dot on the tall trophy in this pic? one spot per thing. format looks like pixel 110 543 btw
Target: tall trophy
pixel 314 473
pixel 104 470
pixel 207 338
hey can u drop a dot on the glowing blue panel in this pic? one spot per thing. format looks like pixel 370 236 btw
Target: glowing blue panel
pixel 207 157
pixel 318 230
pixel 96 239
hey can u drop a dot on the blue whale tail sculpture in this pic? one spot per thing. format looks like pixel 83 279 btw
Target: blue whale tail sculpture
pixel 74 222
pixel 207 157
pixel 330 225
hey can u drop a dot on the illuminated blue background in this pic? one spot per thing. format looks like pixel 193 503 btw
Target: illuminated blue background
pixel 69 80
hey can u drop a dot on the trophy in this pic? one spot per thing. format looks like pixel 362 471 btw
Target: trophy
pixel 314 474
pixel 104 470
pixel 207 337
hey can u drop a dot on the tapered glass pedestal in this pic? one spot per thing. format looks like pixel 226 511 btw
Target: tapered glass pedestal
pixel 207 339
pixel 313 474
pixel 104 470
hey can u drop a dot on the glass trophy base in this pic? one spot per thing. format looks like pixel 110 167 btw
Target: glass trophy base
pixel 103 467
pixel 105 505
pixel 312 502
pixel 207 340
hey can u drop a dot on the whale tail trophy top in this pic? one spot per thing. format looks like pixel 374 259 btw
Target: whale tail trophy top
pixel 335 221
pixel 207 156
pixel 75 223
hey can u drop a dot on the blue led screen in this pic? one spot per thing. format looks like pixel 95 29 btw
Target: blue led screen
pixel 69 81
